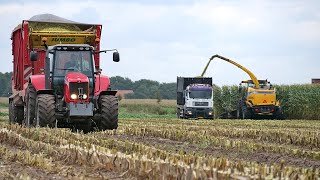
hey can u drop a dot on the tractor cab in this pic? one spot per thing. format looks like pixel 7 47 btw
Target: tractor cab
pixel 71 63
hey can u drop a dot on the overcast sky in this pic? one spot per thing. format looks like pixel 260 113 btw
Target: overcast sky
pixel 162 39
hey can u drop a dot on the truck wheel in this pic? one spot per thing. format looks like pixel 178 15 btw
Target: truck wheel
pixel 45 110
pixel 30 106
pixel 109 112
pixel 179 114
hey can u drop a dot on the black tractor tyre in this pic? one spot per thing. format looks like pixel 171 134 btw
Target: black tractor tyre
pixel 109 112
pixel 30 106
pixel 45 110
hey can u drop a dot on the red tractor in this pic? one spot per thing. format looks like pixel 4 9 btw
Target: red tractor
pixel 57 79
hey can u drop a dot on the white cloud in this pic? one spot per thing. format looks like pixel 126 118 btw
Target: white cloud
pixel 161 41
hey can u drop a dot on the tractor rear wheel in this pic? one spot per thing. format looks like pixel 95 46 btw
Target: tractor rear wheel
pixel 30 106
pixel 45 110
pixel 109 112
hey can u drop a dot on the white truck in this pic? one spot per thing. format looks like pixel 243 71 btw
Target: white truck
pixel 194 98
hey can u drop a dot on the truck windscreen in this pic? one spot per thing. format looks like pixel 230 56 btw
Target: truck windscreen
pixel 73 61
pixel 202 94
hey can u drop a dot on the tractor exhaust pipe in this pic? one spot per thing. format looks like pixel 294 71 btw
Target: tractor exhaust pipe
pixel 46 66
pixel 47 73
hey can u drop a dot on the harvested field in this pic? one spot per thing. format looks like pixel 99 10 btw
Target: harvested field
pixel 163 148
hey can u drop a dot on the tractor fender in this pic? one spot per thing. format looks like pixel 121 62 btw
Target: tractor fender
pixel 102 84
pixel 38 82
pixel 109 92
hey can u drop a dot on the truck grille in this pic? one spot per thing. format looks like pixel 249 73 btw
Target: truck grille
pixel 201 103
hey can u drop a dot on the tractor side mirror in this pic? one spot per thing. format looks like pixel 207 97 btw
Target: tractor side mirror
pixel 33 56
pixel 116 57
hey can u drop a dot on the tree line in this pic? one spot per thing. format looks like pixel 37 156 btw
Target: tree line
pixel 143 89
pixel 5 84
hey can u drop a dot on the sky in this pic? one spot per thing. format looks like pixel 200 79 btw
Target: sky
pixel 163 39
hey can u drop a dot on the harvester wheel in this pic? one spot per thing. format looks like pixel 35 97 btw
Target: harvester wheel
pixel 109 112
pixel 30 106
pixel 246 113
pixel 279 114
pixel 45 110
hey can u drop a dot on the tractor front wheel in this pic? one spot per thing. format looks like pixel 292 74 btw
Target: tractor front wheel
pixel 45 110
pixel 109 112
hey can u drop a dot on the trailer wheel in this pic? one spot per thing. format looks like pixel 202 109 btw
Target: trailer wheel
pixel 109 112
pixel 45 110
pixel 30 106
pixel 11 118
pixel 15 113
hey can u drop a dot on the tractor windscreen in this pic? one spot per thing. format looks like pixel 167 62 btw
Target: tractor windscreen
pixel 73 61
pixel 200 92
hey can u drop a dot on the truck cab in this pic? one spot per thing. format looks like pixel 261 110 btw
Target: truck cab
pixel 199 101
pixel 194 98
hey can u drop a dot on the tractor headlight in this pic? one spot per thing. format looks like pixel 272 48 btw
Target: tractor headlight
pixel 73 96
pixel 210 113
pixel 84 96
pixel 189 112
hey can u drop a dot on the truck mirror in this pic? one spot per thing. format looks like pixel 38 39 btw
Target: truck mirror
pixel 116 57
pixel 33 56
